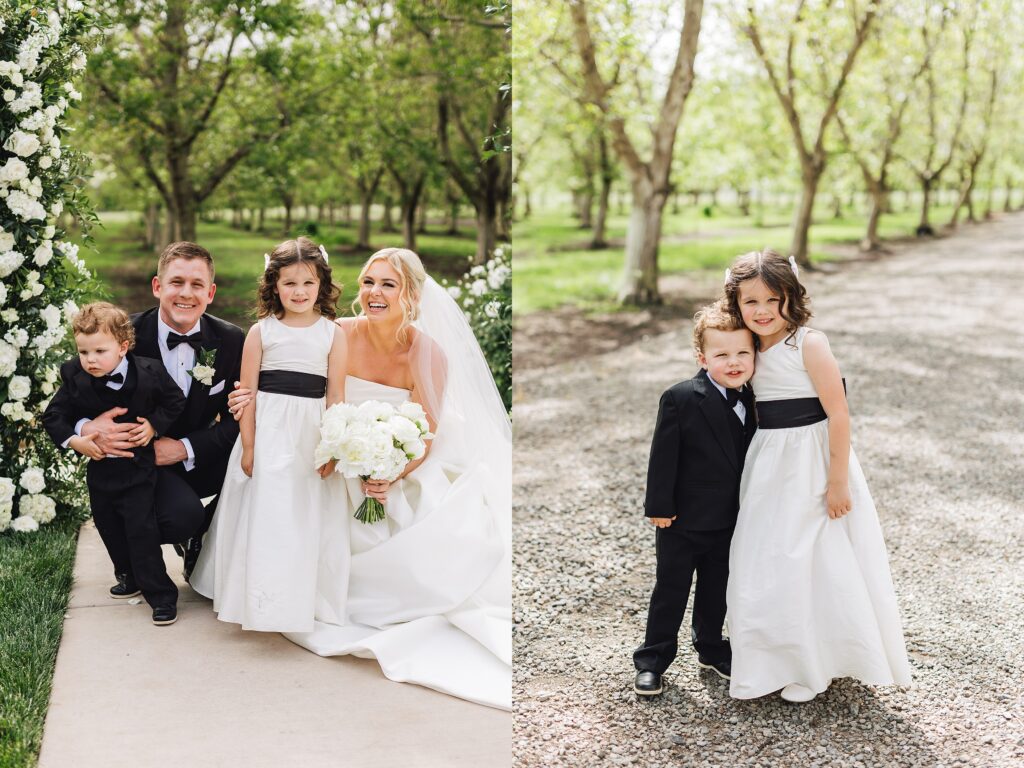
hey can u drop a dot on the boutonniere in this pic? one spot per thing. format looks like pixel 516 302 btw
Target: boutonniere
pixel 203 370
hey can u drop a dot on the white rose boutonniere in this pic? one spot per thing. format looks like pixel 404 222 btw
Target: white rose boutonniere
pixel 203 370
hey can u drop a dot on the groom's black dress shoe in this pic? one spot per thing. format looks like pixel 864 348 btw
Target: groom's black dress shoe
pixel 192 549
pixel 165 614
pixel 721 668
pixel 647 683
pixel 125 587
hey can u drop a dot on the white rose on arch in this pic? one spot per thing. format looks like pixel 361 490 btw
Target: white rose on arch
pixel 32 480
pixel 19 387
pixel 22 144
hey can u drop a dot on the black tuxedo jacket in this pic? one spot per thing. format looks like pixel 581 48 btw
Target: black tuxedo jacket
pixel 695 467
pixel 206 421
pixel 155 396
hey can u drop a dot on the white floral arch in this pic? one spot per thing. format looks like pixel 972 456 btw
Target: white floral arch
pixel 41 276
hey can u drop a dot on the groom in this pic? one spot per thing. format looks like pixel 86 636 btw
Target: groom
pixel 203 355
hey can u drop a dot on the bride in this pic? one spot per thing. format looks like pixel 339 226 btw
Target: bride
pixel 430 586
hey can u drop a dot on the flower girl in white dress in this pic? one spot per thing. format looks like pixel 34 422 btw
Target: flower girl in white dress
pixel 810 595
pixel 279 515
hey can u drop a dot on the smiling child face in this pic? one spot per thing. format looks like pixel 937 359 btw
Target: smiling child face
pixel 728 356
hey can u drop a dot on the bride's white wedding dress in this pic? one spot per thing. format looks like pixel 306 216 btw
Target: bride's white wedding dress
pixel 429 592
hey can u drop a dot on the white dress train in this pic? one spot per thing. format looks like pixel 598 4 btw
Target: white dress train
pixel 429 591
pixel 810 598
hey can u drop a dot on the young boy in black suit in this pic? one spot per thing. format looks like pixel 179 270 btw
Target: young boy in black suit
pixel 107 375
pixel 704 427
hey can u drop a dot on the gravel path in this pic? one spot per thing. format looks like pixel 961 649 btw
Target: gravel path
pixel 931 342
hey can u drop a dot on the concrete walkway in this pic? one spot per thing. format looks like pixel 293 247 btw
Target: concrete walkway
pixel 204 693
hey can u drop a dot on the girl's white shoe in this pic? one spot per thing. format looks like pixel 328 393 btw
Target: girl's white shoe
pixel 797 693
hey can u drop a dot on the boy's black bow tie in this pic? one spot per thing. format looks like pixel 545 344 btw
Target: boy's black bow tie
pixel 733 396
pixel 117 378
pixel 174 339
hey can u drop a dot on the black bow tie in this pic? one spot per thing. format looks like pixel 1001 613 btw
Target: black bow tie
pixel 195 340
pixel 117 378
pixel 733 396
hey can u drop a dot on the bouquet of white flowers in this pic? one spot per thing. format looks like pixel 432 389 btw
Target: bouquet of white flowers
pixel 372 440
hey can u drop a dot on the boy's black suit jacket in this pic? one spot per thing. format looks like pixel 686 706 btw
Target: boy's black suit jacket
pixel 154 396
pixel 695 466
pixel 206 420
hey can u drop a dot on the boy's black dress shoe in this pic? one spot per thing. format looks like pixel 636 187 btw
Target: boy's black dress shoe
pixel 721 668
pixel 165 614
pixel 125 587
pixel 647 683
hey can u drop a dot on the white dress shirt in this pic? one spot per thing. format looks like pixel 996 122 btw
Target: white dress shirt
pixel 739 408
pixel 178 362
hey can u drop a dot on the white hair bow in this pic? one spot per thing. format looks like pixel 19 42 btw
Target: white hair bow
pixel 793 266
pixel 323 252
pixel 728 274
pixel 266 261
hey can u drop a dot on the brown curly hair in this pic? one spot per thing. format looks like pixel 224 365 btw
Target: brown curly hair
pixel 300 251
pixel 104 316
pixel 777 274
pixel 713 317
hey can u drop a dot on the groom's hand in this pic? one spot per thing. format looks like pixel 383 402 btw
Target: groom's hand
pixel 111 437
pixel 169 451
pixel 662 522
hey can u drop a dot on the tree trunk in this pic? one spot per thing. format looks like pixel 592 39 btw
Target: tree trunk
pixel 410 204
pixel 363 240
pixel 502 221
pixel 743 201
pixel 453 216
pixel 527 208
pixel 640 279
pixel 1007 205
pixel 387 224
pixel 421 224
pixel 486 229
pixel 152 227
pixel 599 239
pixel 585 207
pixel 804 217
pixel 924 227
pixel 288 202
pixel 879 201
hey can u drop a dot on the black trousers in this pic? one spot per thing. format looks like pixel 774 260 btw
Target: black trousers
pixel 125 518
pixel 179 512
pixel 681 554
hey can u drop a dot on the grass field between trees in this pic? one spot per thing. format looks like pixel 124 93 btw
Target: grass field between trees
pixel 554 266
pixel 126 266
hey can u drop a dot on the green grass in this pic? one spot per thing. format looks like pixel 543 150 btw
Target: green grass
pixel 553 266
pixel 126 266
pixel 35 580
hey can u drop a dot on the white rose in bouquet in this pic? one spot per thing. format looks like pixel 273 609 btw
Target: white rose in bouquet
pixel 40 508
pixel 372 440
pixel 24 524
pixel 32 480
